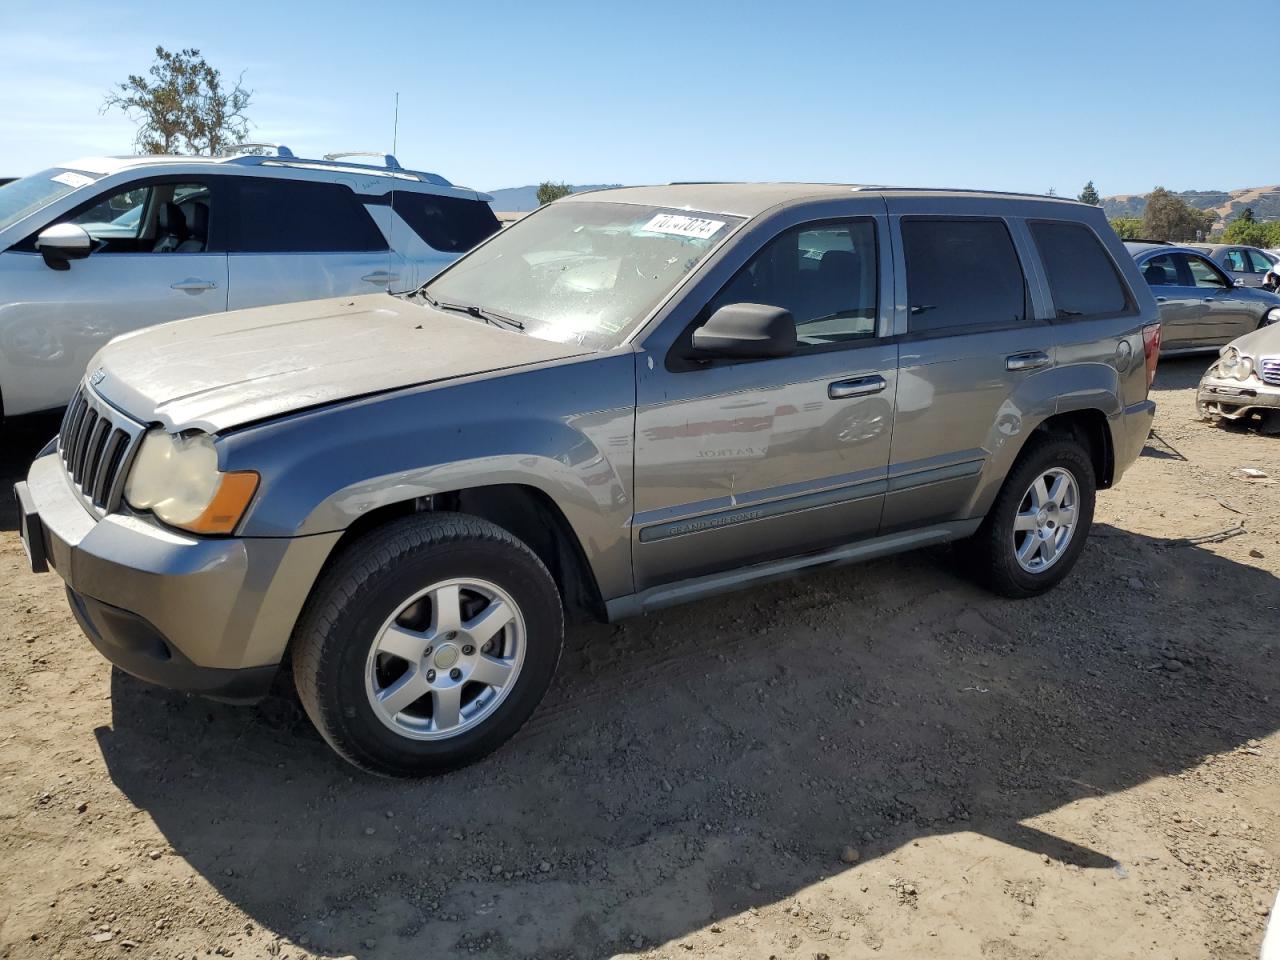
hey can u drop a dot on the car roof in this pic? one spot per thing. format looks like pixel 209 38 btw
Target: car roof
pixel 752 199
pixel 106 165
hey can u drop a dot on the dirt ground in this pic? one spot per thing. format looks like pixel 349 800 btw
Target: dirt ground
pixel 879 761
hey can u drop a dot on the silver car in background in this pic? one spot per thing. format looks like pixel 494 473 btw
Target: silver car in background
pixel 627 399
pixel 1201 308
pixel 104 245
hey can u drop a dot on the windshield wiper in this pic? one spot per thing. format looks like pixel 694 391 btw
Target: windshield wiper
pixel 471 310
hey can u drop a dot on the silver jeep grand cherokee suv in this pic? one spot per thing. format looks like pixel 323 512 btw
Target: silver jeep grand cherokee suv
pixel 628 399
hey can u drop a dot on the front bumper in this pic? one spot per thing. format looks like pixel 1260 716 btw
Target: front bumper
pixel 1231 399
pixel 202 614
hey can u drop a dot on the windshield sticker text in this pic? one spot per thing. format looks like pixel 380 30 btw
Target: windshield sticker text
pixel 699 228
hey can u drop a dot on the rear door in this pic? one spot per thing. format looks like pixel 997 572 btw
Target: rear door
pixel 971 341
pixel 1181 305
pixel 158 256
pixel 304 240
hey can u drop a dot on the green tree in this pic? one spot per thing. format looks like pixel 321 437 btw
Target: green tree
pixel 1089 195
pixel 548 191
pixel 1127 228
pixel 1252 233
pixel 185 105
pixel 1168 217
pixel 1246 215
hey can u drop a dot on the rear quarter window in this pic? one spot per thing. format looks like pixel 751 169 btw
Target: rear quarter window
pixel 1083 279
pixel 449 224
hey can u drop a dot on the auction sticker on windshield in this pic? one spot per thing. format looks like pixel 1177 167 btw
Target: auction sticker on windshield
pixel 72 179
pixel 699 228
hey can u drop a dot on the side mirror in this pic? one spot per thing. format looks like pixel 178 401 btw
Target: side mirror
pixel 62 243
pixel 1239 281
pixel 746 331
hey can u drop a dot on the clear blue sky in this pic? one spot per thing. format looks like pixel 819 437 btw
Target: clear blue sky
pixel 1018 96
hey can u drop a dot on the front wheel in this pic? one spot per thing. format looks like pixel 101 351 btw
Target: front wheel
pixel 1038 524
pixel 428 644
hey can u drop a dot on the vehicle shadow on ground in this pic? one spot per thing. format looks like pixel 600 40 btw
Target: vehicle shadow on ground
pixel 21 438
pixel 721 755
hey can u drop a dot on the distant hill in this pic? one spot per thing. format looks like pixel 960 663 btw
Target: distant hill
pixel 521 199
pixel 1227 204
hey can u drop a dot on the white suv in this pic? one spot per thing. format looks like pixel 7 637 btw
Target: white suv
pixel 104 245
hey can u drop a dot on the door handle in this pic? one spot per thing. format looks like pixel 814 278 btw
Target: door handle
pixel 1162 299
pixel 857 387
pixel 193 286
pixel 1032 360
pixel 381 276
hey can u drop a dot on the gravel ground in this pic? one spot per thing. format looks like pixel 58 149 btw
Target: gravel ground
pixel 877 761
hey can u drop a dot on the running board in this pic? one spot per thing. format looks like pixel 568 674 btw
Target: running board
pixel 698 588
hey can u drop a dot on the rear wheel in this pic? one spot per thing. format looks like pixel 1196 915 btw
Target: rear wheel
pixel 428 644
pixel 1037 527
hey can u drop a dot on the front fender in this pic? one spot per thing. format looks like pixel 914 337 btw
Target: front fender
pixel 566 430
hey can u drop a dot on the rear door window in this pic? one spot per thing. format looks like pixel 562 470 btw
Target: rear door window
pixel 1083 280
pixel 1234 260
pixel 961 273
pixel 298 216
pixel 1161 271
pixel 448 224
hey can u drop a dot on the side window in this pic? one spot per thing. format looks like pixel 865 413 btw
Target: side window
pixel 1082 278
pixel 449 224
pixel 147 218
pixel 1234 260
pixel 1161 271
pixel 1203 273
pixel 961 273
pixel 1258 261
pixel 825 275
pixel 299 216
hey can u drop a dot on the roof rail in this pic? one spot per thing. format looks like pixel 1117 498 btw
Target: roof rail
pixel 340 166
pixel 233 149
pixel 390 162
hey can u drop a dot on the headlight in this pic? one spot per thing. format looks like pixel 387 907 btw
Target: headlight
pixel 177 479
pixel 1236 364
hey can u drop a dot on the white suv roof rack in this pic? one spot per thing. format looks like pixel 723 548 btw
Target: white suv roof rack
pixel 390 167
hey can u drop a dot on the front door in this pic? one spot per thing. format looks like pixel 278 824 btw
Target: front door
pixel 1181 305
pixel 743 461
pixel 157 258
pixel 1224 314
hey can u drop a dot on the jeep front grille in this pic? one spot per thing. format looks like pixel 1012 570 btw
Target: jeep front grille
pixel 97 444
pixel 1269 370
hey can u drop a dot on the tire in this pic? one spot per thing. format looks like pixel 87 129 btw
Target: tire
pixel 364 607
pixel 993 552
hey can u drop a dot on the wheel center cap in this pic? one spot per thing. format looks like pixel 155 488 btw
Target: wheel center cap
pixel 446 656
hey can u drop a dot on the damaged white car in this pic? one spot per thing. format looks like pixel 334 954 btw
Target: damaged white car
pixel 1244 383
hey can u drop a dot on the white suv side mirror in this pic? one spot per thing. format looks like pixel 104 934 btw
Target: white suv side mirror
pixel 62 243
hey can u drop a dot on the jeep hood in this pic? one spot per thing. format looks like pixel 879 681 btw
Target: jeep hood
pixel 226 369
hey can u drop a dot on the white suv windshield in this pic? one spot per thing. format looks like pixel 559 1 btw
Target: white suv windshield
pixel 29 194
pixel 582 271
